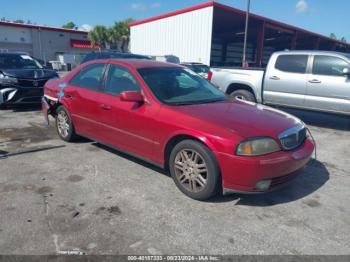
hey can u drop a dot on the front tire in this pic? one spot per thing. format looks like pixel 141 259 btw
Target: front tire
pixel 243 95
pixel 64 125
pixel 195 170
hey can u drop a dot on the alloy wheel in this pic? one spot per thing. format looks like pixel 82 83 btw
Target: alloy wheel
pixel 191 170
pixel 63 123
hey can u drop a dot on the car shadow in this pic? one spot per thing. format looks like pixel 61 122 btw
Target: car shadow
pixel 313 178
pixel 131 158
pixel 320 119
pixel 24 108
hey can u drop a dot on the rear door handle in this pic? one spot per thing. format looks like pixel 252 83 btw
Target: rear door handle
pixel 274 78
pixel 105 107
pixel 315 81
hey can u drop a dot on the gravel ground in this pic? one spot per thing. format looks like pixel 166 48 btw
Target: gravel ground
pixel 57 197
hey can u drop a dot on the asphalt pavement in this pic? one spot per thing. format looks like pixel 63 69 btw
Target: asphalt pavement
pixel 57 197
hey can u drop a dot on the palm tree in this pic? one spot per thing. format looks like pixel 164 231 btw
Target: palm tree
pixel 99 36
pixel 113 37
pixel 333 36
pixel 120 33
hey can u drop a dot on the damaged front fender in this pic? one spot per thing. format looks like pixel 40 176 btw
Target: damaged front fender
pixel 47 108
pixel 49 105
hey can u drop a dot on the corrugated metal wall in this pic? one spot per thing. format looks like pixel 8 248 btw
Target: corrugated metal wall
pixel 190 37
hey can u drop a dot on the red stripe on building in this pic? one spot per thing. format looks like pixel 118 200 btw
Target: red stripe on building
pixel 83 44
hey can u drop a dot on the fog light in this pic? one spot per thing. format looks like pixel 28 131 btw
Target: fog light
pixel 263 185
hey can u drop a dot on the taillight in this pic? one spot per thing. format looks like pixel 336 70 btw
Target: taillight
pixel 210 75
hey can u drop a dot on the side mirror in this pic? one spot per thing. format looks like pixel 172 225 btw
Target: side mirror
pixel 346 72
pixel 132 96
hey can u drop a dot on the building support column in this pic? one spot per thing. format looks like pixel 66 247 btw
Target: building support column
pixel 224 52
pixel 334 47
pixel 293 44
pixel 317 43
pixel 260 45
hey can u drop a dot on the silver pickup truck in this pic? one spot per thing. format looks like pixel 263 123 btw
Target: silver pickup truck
pixel 315 80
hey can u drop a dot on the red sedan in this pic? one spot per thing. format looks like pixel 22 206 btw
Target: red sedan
pixel 168 115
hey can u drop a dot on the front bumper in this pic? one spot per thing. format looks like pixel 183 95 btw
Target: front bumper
pixel 10 95
pixel 241 174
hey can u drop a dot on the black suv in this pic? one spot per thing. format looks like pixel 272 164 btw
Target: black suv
pixel 111 54
pixel 22 79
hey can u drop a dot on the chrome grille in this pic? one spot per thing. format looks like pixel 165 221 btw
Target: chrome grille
pixel 293 137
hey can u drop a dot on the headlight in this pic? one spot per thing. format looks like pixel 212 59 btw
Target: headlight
pixel 7 80
pixel 257 147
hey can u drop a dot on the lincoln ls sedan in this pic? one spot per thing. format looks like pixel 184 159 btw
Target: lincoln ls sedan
pixel 167 115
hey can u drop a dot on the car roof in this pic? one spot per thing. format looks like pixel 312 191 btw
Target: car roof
pixel 312 52
pixel 142 63
pixel 13 53
pixel 113 52
pixel 192 63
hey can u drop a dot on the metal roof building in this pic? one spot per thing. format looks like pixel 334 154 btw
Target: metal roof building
pixel 43 42
pixel 212 33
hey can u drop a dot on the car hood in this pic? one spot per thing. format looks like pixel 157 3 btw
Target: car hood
pixel 243 118
pixel 29 73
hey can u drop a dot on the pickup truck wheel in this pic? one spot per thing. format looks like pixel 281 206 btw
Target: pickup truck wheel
pixel 194 170
pixel 243 95
pixel 64 125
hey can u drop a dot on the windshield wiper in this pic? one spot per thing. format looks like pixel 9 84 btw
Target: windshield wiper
pixel 197 102
pixel 181 104
pixel 214 101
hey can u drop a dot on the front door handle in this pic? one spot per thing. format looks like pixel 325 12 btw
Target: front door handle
pixel 105 107
pixel 315 81
pixel 274 78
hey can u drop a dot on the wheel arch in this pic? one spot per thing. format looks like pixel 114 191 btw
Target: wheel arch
pixel 177 138
pixel 53 108
pixel 239 86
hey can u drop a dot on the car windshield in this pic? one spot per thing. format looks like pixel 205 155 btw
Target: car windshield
pixel 348 56
pixel 200 68
pixel 9 61
pixel 180 86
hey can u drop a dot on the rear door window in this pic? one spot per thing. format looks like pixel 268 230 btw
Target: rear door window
pixel 90 77
pixel 119 80
pixel 292 63
pixel 329 65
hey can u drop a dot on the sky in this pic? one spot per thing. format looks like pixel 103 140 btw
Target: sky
pixel 320 16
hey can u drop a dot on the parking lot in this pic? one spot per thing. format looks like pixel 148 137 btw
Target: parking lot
pixel 57 198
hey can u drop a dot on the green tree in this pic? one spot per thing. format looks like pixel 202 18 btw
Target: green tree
pixel 69 25
pixel 19 21
pixel 333 36
pixel 119 34
pixel 113 37
pixel 343 39
pixel 99 36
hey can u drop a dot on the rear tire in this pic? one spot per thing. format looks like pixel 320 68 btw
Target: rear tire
pixel 244 95
pixel 64 125
pixel 195 170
